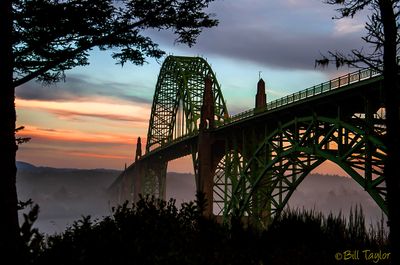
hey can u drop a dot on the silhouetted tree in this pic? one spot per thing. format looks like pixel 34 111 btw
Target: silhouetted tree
pixel 41 39
pixel 382 34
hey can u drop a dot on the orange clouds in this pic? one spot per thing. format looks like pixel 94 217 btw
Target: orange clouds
pixel 80 134
pixel 112 111
pixel 72 148
pixel 74 136
pixel 94 155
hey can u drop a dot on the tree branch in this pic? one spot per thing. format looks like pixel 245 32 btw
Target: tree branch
pixel 87 46
pixel 162 14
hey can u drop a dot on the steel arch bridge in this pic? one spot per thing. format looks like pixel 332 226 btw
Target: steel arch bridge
pixel 251 163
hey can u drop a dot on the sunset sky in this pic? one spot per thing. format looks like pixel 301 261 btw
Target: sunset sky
pixel 94 118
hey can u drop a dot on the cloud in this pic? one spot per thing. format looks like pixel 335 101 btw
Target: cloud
pixel 74 148
pixel 278 34
pixel 346 26
pixel 77 110
pixel 97 155
pixel 80 88
pixel 76 114
pixel 267 48
pixel 47 130
pixel 73 136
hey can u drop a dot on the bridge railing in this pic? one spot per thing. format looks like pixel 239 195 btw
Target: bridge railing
pixel 341 81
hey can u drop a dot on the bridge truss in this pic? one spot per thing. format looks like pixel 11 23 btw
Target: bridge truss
pixel 258 180
pixel 251 163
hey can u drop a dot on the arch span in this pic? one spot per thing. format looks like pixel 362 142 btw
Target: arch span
pixel 226 175
pixel 298 147
pixel 178 99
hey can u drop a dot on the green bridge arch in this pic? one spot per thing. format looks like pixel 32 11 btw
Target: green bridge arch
pixel 287 155
pixel 178 99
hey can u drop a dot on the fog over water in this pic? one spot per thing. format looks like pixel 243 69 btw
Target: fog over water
pixel 65 195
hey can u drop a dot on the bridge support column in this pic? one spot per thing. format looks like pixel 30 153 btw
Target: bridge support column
pixel 206 167
pixel 126 189
pixel 206 170
pixel 137 183
pixel 153 178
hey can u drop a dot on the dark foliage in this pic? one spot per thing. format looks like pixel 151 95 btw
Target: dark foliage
pixel 51 36
pixel 21 140
pixel 31 242
pixel 157 232
pixel 308 237
pixel 151 232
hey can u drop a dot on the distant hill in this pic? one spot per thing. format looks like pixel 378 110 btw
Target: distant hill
pixel 43 183
pixel 25 166
pixel 64 195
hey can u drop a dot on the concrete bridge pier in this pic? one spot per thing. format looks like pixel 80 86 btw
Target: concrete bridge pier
pixel 206 168
pixel 153 179
pixel 207 155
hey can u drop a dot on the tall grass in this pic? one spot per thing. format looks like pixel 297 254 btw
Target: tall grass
pixel 352 229
pixel 157 232
pixel 309 237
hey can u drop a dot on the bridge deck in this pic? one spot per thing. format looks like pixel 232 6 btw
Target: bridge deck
pixel 347 81
pixel 331 90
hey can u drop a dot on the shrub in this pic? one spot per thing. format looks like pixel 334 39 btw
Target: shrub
pixel 154 231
